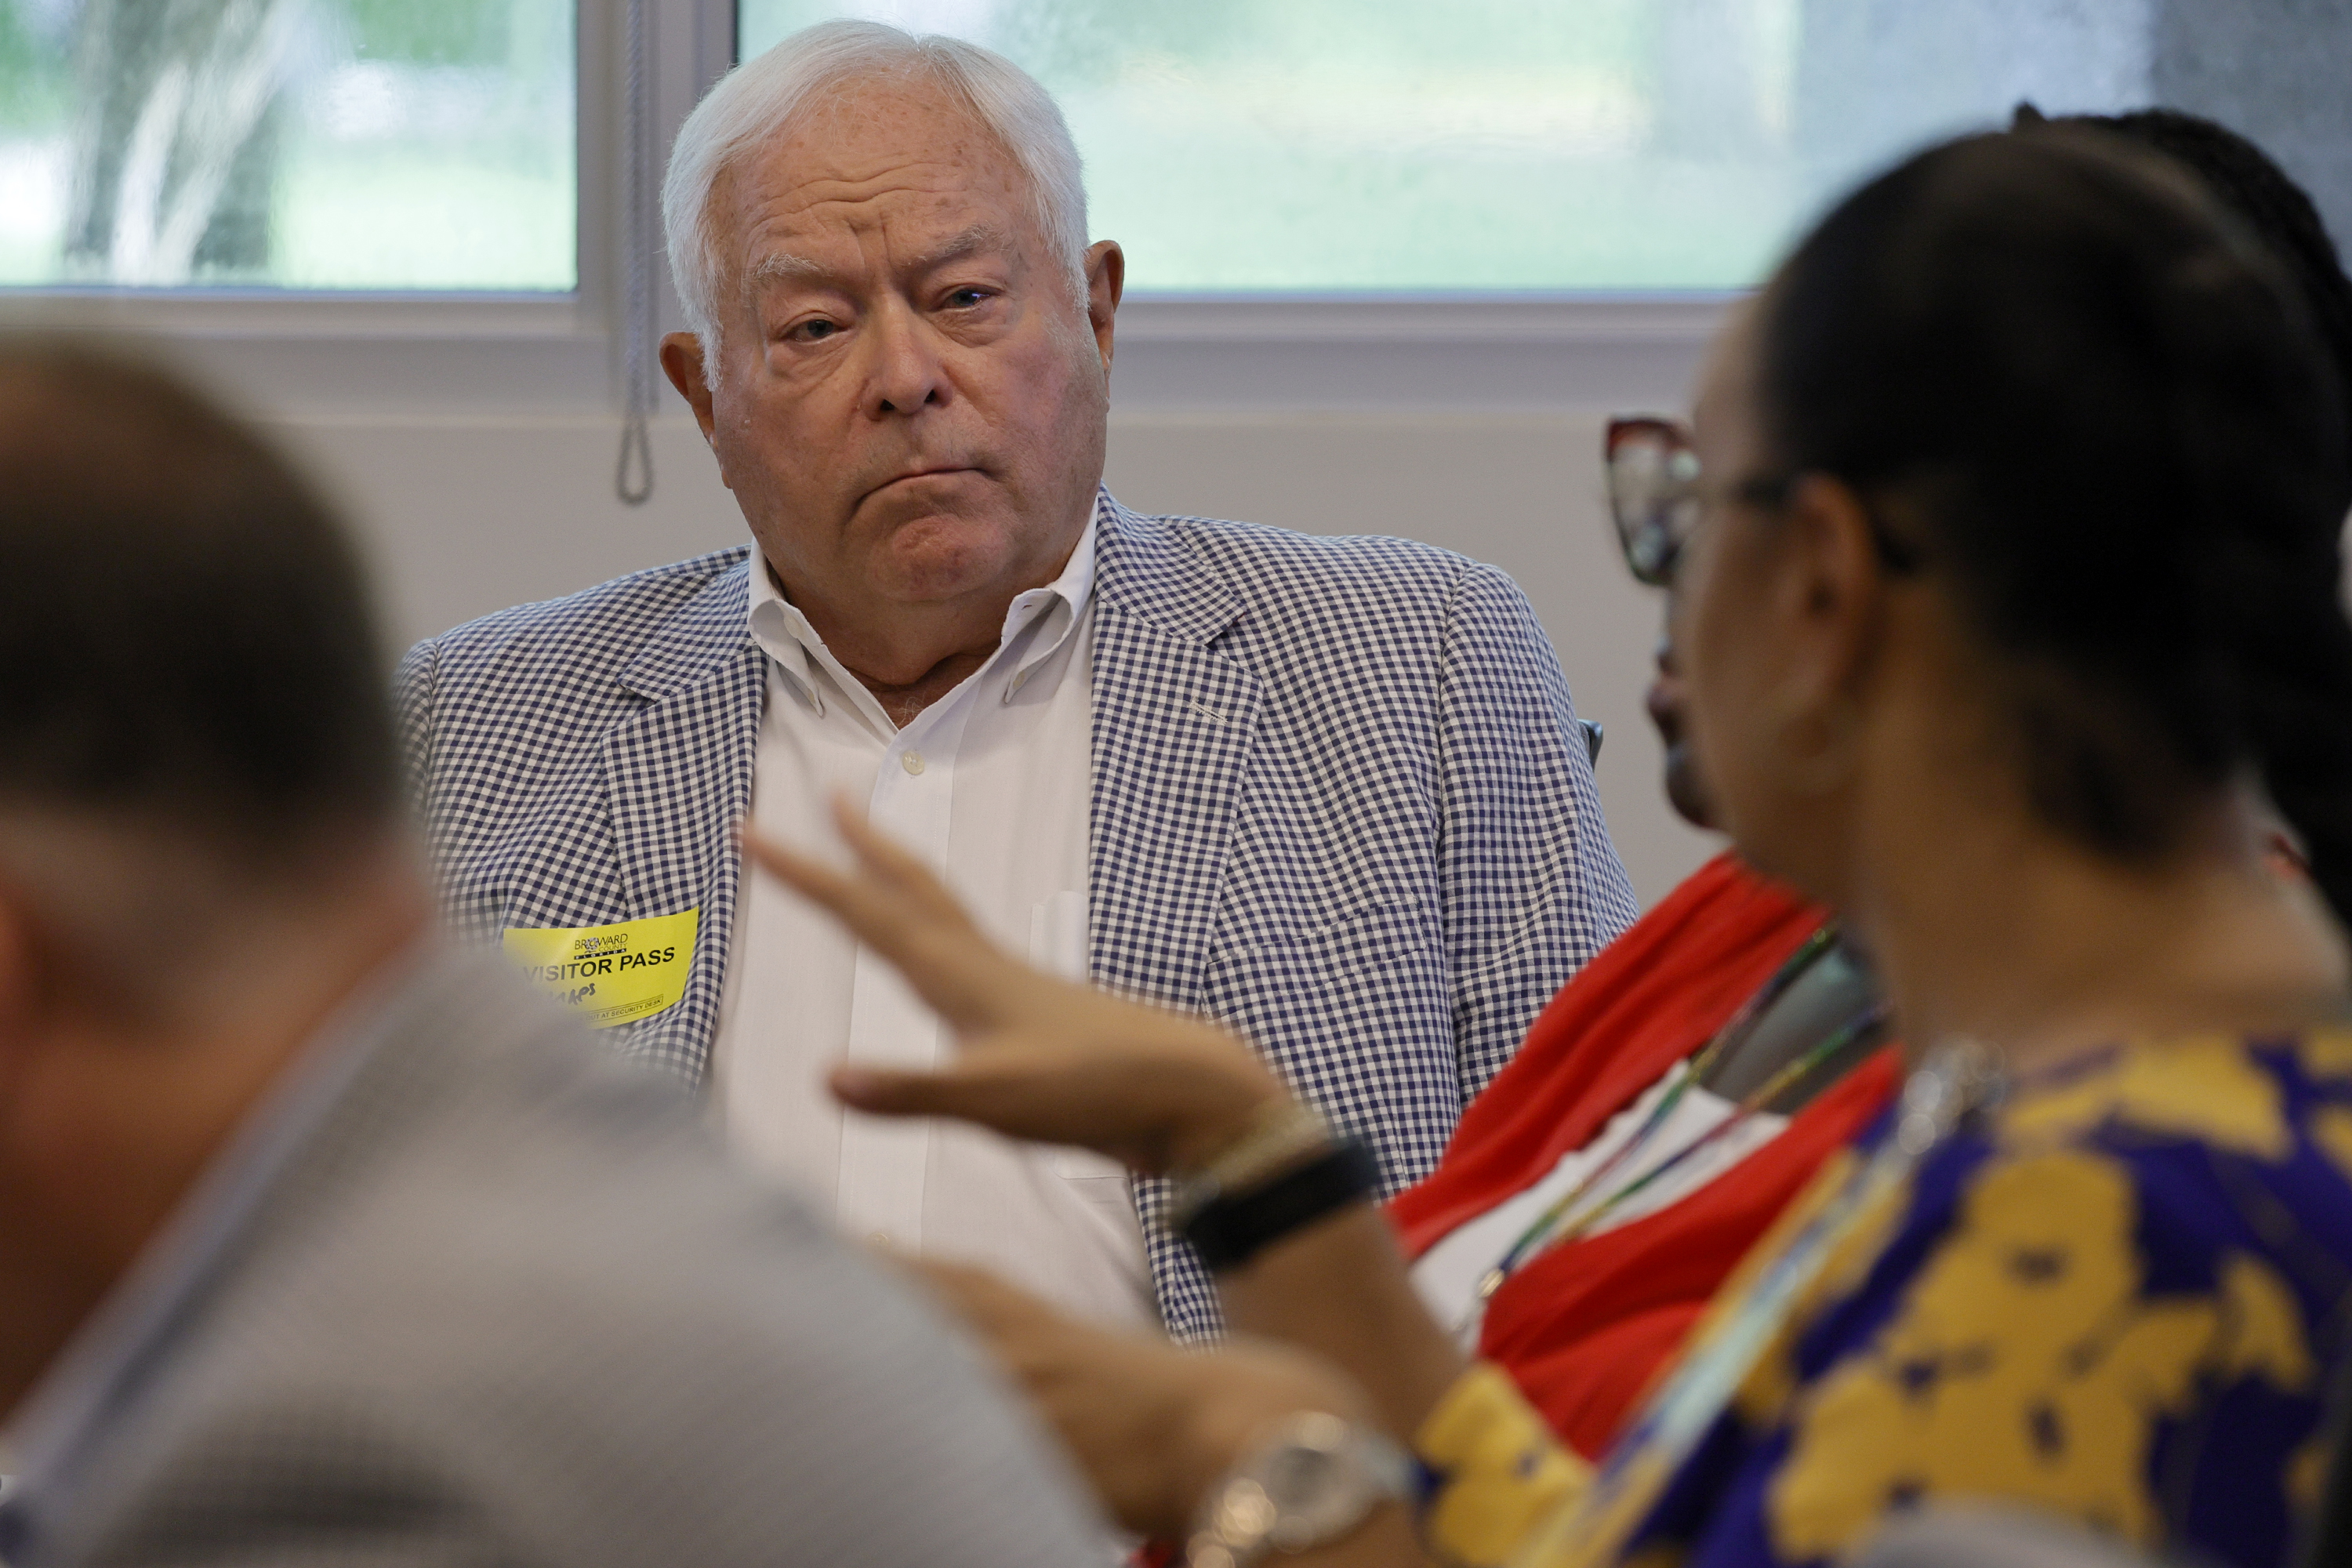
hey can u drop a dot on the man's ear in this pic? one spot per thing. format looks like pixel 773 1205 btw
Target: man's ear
pixel 1105 282
pixel 681 361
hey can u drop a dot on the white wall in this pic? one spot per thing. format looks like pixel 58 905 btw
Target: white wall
pixel 466 514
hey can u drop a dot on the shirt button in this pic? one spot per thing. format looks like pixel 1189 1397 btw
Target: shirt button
pixel 912 761
pixel 879 1239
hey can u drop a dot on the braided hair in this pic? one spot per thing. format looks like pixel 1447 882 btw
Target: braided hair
pixel 2250 187
pixel 2100 403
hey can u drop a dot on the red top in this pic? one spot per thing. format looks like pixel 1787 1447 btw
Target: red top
pixel 1584 1326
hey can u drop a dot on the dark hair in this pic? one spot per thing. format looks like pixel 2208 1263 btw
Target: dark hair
pixel 2100 404
pixel 2255 191
pixel 184 631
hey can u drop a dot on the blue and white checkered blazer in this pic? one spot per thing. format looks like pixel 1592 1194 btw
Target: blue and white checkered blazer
pixel 1340 801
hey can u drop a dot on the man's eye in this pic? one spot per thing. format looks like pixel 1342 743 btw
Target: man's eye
pixel 812 331
pixel 965 298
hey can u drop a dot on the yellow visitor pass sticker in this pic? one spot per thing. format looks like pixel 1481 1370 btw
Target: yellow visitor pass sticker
pixel 613 974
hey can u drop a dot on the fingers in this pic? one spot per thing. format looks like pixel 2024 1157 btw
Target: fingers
pixel 918 928
pixel 1019 1329
pixel 837 892
pixel 878 1092
pixel 952 1093
pixel 1020 1093
pixel 976 1295
pixel 985 1303
pixel 892 865
pixel 896 897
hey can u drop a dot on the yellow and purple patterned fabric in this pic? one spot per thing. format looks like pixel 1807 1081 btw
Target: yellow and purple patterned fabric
pixel 2120 1297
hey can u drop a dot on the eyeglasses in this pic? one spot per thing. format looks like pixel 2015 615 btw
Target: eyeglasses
pixel 1654 496
pixel 1655 499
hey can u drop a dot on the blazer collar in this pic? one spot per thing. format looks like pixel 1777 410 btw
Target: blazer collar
pixel 1175 721
pixel 703 636
pixel 1143 569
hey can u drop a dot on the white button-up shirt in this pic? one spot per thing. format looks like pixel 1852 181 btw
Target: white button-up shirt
pixel 990 786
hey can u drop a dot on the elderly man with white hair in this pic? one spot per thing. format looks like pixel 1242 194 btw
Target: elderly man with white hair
pixel 1328 790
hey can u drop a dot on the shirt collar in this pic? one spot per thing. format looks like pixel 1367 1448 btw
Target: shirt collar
pixel 787 636
pixel 104 1366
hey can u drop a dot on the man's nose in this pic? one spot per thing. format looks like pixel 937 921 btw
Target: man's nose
pixel 906 374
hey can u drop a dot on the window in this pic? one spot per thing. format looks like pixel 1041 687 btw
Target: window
pixel 362 145
pixel 1555 146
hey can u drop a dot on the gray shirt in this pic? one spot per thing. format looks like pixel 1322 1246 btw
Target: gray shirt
pixel 464 1292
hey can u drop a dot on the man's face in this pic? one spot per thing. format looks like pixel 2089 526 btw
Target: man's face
pixel 909 396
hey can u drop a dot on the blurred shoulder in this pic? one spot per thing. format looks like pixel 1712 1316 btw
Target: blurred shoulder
pixel 558 1315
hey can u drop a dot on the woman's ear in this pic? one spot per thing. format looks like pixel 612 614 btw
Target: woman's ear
pixel 1831 604
pixel 24 998
pixel 1835 550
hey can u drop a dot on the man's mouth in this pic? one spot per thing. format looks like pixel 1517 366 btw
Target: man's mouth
pixel 933 471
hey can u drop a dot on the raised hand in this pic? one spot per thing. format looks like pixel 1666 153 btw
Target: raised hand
pixel 1152 1426
pixel 1041 1057
pixel 1045 1059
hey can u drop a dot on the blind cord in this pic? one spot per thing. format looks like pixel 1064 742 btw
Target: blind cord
pixel 633 476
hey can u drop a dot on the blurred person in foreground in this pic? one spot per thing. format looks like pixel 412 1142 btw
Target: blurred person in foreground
pixel 1329 790
pixel 320 1241
pixel 2006 552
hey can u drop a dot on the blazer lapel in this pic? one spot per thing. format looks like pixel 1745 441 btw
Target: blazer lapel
pixel 677 776
pixel 1173 724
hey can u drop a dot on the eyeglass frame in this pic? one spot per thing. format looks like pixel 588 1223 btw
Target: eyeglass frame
pixel 1652 542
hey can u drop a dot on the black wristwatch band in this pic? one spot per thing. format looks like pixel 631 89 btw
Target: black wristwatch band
pixel 1230 1229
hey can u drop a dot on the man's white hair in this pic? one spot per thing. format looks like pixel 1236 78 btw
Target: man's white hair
pixel 763 97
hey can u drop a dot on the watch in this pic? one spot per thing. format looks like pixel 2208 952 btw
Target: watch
pixel 1312 1479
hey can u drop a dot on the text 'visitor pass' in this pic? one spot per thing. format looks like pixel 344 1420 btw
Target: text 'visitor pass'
pixel 609 974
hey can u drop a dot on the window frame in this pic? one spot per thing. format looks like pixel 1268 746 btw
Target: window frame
pixel 521 352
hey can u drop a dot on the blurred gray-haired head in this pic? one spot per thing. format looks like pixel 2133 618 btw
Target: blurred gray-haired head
pixel 765 97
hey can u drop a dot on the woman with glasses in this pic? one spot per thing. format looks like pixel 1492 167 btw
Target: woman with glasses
pixel 1668 1105
pixel 2006 562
